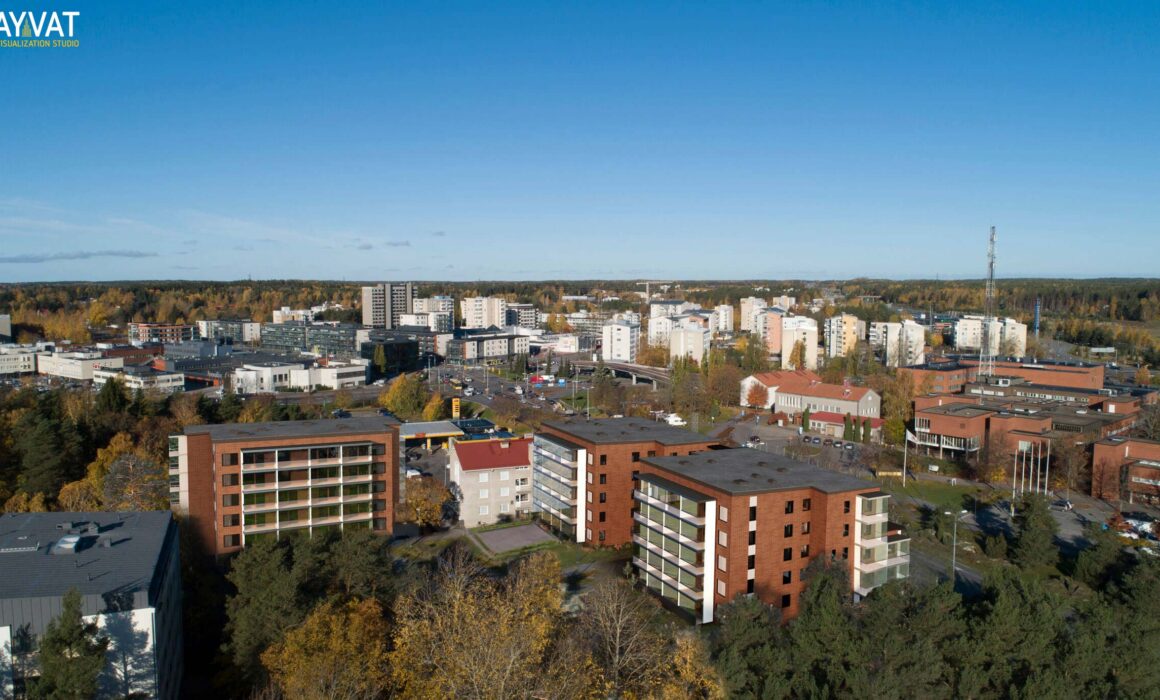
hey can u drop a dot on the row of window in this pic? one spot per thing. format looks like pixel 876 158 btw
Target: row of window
pixel 807 504
pixel 504 475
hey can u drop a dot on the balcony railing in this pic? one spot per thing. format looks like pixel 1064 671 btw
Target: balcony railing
pixel 667 532
pixel 871 567
pixel 668 508
pixel 644 566
pixel 688 566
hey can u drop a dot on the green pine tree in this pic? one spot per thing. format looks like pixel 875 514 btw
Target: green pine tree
pixel 806 419
pixel 112 398
pixel 72 655
pixel 1034 544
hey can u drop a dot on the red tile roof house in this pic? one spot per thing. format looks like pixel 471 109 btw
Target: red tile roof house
pixel 493 479
pixel 793 391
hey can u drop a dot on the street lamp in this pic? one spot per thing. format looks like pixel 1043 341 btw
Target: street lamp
pixel 954 540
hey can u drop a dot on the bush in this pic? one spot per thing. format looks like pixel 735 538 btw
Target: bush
pixel 995 546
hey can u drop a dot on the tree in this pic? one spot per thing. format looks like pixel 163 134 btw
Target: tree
pixel 867 431
pixel 25 503
pixel 135 483
pixel 380 359
pixel 425 502
pixel 616 627
pixel 230 407
pixel 856 430
pixel 72 654
pixel 1034 544
pixel 894 431
pixel 1143 376
pixel 337 652
pixel 1149 424
pixel 751 650
pixel 847 428
pixel 898 397
pixel 435 408
pixel 406 396
pixel 797 356
pixel 806 419
pixel 757 395
pixel 113 397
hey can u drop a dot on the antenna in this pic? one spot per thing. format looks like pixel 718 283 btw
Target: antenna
pixel 986 354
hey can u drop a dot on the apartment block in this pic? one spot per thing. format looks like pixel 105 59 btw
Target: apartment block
pixel 382 304
pixel 691 343
pixel 241 482
pixel 1008 337
pixel 620 341
pixel 234 330
pixel 799 329
pixel 482 346
pixel 437 304
pixel 902 344
pixel 670 307
pixel 712 526
pixel 523 315
pixel 494 479
pixel 438 321
pixel 483 312
pixel 841 335
pixel 583 471
pixel 165 333
pixel 724 318
pixel 750 307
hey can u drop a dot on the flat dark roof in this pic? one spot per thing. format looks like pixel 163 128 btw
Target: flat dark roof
pixel 336 427
pixel 746 471
pixel 613 431
pixel 29 569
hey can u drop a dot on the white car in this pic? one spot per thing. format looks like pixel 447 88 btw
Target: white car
pixel 413 473
pixel 674 419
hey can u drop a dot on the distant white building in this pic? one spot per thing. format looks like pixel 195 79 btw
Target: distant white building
pixel 750 308
pixel 438 321
pixel 670 307
pixel 620 341
pixel 22 359
pixel 77 365
pixel 143 378
pixel 1008 337
pixel 288 315
pixel 724 318
pixel 483 312
pixel 902 343
pixel 689 342
pixel 263 377
pixel 333 376
pixel 802 329
pixel 434 304
pixel 841 334
pixel 785 302
pixel 494 479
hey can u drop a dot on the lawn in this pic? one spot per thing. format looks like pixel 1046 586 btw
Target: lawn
pixel 940 494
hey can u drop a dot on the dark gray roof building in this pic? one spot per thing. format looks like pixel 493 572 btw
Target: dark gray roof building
pixel 744 471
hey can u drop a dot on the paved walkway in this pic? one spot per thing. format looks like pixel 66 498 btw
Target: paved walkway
pixel 509 538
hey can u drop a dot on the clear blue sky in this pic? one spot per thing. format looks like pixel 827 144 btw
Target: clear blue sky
pixel 443 140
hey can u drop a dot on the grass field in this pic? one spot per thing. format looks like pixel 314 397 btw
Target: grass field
pixel 941 495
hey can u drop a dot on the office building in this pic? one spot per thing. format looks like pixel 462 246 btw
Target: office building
pixel 126 567
pixel 240 332
pixel 331 376
pixel 164 333
pixel 321 339
pixel 143 378
pixel 494 479
pixel 523 315
pixel 382 304
pixel 288 315
pixel 689 342
pixel 620 341
pixel 841 335
pixel 241 482
pixel 791 392
pixel 438 321
pixel 78 365
pixel 583 471
pixel 799 329
pixel 486 346
pixel 717 525
pixel 1126 469
pixel 483 312
pixel 724 318
pixel 22 359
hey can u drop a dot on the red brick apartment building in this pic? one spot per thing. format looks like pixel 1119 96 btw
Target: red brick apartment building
pixel 725 523
pixel 241 482
pixel 583 471
pixel 1126 468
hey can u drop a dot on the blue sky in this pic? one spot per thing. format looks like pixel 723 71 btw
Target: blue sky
pixel 462 141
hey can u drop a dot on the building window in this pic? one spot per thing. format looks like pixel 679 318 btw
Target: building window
pixel 588 516
pixel 601 518
pixel 723 514
pixel 652 453
pixel 588 533
pixel 231 520
pixel 845 552
pixel 788 507
pixel 230 459
pixel 483 510
pixel 232 541
pixel 600 535
pixel 785 601
pixel 720 588
pixel 603 497
pixel 752 513
pixel 786 578
pixel 721 563
pixel 230 500
pixel 483 477
pixel 723 538
pixel 503 475
pixel 749 586
pixel 588 495
pixel 603 478
pixel 788 530
pixel 806 505
pixel 590 477
pixel 846 530
pixel 504 491
pixel 229 479
pixel 636 456
pixel 603 460
pixel 846 507
pixel 787 554
pixel 752 563
pixel 484 493
pixel 805 551
pixel 753 537
pixel 806 528
pixel 503 507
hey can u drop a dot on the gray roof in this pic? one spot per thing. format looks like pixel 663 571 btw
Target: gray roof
pixel 746 471
pixel 30 569
pixel 612 431
pixel 336 427
pixel 436 427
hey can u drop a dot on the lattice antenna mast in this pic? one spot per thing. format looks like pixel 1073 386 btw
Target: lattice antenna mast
pixel 986 355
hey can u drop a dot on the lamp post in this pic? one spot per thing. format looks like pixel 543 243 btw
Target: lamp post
pixel 954 540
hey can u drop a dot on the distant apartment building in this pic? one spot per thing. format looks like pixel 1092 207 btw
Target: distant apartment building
pixel 724 318
pixel 767 328
pixel 242 482
pixel 902 344
pixel 382 304
pixel 165 333
pixel 620 341
pixel 799 329
pixel 436 304
pixel 236 331
pixel 659 330
pixel 125 566
pixel 494 479
pixel 482 346
pixel 523 315
pixel 143 378
pixel 841 335
pixel 77 365
pixel 438 321
pixel 691 343
pixel 785 302
pixel 714 526
pixel 791 392
pixel 483 312
pixel 583 473
pixel 750 308
pixel 1008 337
pixel 323 339
pixel 670 307
pixel 6 328
pixel 288 315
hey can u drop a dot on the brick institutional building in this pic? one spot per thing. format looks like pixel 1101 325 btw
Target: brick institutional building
pixel 246 481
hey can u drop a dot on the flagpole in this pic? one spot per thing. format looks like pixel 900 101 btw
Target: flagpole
pixel 905 444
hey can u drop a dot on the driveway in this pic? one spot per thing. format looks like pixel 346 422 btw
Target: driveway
pixel 509 538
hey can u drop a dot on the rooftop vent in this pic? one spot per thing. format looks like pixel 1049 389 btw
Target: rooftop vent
pixel 66 545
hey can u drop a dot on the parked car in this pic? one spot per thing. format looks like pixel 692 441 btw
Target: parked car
pixel 849 446
pixel 806 438
pixel 413 473
pixel 827 442
pixel 838 444
pixel 816 441
pixel 340 413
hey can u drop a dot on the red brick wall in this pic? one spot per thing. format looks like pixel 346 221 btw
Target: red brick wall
pixel 1109 458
